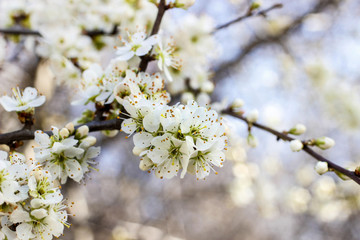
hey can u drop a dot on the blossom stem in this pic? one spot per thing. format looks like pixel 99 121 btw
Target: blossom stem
pixel 306 148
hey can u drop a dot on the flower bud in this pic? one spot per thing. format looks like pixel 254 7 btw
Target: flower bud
pixel 39 213
pixel 184 3
pixel 36 203
pixel 253 116
pixel 324 143
pixel 296 145
pixel 4 147
pixel 110 133
pixel 298 129
pixel 321 167
pixel 255 5
pixel 252 141
pixel 82 131
pixel 89 141
pixel 238 103
pixel 64 132
pixel 145 164
pixel 70 127
pixel 187 96
pixel 207 87
pixel 203 99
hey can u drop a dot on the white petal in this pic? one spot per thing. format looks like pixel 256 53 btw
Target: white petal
pixel 19 215
pixel 73 152
pixel 92 152
pixel 151 121
pixel 37 102
pixel 42 138
pixel 142 139
pixel 152 40
pixel 125 56
pixel 128 126
pixel 3 156
pixel 73 169
pixel 144 49
pixel 122 50
pixel 24 231
pixel 8 103
pixel 69 142
pixel 29 94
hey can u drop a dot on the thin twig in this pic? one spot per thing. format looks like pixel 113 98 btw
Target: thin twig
pixel 27 134
pixel 24 31
pixel 248 14
pixel 162 7
pixel 19 31
pixel 307 149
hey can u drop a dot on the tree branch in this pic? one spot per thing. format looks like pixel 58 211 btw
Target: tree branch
pixel 306 148
pixel 222 70
pixel 162 7
pixel 248 14
pixel 19 31
pixel 27 134
pixel 24 31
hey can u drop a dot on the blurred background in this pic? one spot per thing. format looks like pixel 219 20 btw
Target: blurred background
pixel 300 64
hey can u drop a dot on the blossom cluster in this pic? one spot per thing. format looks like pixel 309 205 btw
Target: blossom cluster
pixel 91 32
pixel 32 205
pixel 65 156
pixel 170 138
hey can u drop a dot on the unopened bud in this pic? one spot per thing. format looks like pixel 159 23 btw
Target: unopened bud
pixel 321 167
pixel 187 96
pixel 70 127
pixel 238 103
pixel 82 131
pixel 203 99
pixel 36 203
pixel 64 132
pixel 136 151
pixel 207 87
pixel 39 213
pixel 184 3
pixel 110 133
pixel 255 5
pixel 324 143
pixel 298 129
pixel 4 147
pixel 89 140
pixel 252 141
pixel 253 116
pixel 296 145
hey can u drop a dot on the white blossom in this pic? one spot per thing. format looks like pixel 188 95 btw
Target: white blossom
pixel 137 44
pixel 22 101
pixel 66 157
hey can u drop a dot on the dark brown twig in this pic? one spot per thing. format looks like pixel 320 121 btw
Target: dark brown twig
pixel 27 134
pixel 307 149
pixel 162 7
pixel 24 31
pixel 251 12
